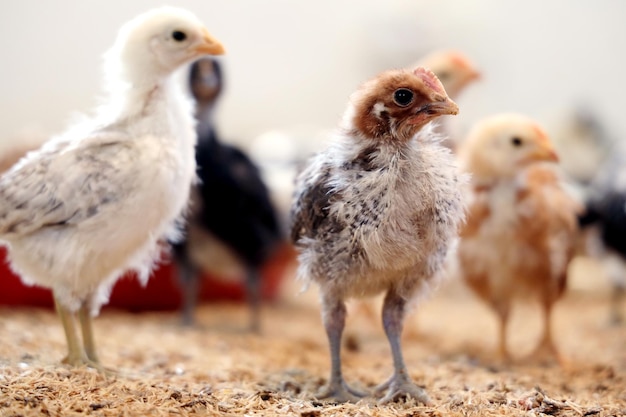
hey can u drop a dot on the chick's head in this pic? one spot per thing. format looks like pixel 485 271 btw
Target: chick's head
pixel 396 104
pixel 454 70
pixel 503 145
pixel 205 80
pixel 158 42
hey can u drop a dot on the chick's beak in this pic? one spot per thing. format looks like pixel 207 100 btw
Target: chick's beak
pixel 544 152
pixel 209 45
pixel 474 75
pixel 432 110
pixel 446 106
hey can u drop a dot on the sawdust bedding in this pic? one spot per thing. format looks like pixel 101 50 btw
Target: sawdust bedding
pixel 217 368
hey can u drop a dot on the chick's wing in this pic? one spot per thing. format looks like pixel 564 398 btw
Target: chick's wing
pixel 61 188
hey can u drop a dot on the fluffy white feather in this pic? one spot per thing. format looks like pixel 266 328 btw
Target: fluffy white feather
pixel 96 200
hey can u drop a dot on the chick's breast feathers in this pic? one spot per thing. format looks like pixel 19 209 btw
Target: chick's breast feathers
pixel 391 219
pixel 522 236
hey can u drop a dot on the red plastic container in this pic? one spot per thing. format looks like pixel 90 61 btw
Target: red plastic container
pixel 161 292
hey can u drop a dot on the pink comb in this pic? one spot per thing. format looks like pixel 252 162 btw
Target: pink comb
pixel 430 79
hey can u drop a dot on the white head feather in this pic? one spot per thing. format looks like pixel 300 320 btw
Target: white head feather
pixel 147 51
pixel 146 47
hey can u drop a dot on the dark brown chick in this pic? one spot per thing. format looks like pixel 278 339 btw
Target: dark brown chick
pixel 376 211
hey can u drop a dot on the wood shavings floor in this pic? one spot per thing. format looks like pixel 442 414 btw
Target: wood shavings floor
pixel 219 369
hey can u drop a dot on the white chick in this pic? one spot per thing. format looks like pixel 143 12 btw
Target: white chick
pixel 94 201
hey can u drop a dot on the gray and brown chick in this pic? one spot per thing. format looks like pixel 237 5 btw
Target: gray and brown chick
pixel 377 211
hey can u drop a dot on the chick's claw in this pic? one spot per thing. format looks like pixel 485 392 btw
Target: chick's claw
pixel 399 387
pixel 342 393
pixel 82 360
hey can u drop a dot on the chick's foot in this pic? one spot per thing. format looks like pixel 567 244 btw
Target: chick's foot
pixel 341 392
pixel 77 361
pixel 399 387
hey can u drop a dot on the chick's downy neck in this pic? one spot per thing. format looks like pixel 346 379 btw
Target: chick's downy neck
pixel 205 115
pixel 134 101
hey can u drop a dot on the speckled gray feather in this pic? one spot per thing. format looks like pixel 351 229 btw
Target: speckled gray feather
pixel 63 189
pixel 377 211
pixel 369 215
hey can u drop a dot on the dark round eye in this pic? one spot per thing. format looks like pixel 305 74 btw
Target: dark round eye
pixel 179 36
pixel 516 141
pixel 403 97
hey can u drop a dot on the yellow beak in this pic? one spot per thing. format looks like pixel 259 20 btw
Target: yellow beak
pixel 209 45
pixel 474 75
pixel 544 152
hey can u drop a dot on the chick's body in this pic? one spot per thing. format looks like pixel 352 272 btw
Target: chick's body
pixel 70 194
pixel 604 221
pixel 233 227
pixel 95 201
pixel 377 210
pixel 522 237
pixel 521 225
pixel 386 215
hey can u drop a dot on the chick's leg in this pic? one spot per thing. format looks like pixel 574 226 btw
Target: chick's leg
pixel 84 316
pixel 334 317
pixel 503 351
pixel 503 311
pixel 189 279
pixel 75 355
pixel 617 297
pixel 400 383
pixel 253 293
pixel 546 351
pixel 90 357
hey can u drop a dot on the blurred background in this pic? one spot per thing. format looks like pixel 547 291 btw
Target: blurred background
pixel 291 65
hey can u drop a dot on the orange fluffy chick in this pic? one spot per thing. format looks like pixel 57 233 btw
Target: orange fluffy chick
pixel 518 239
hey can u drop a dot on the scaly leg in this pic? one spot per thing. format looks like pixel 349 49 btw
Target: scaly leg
pixel 253 293
pixel 503 310
pixel 75 354
pixel 190 282
pixel 400 383
pixel 334 317
pixel 617 296
pixel 546 350
pixel 503 351
pixel 84 316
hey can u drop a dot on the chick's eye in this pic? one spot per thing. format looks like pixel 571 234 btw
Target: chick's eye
pixel 403 97
pixel 516 141
pixel 179 36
